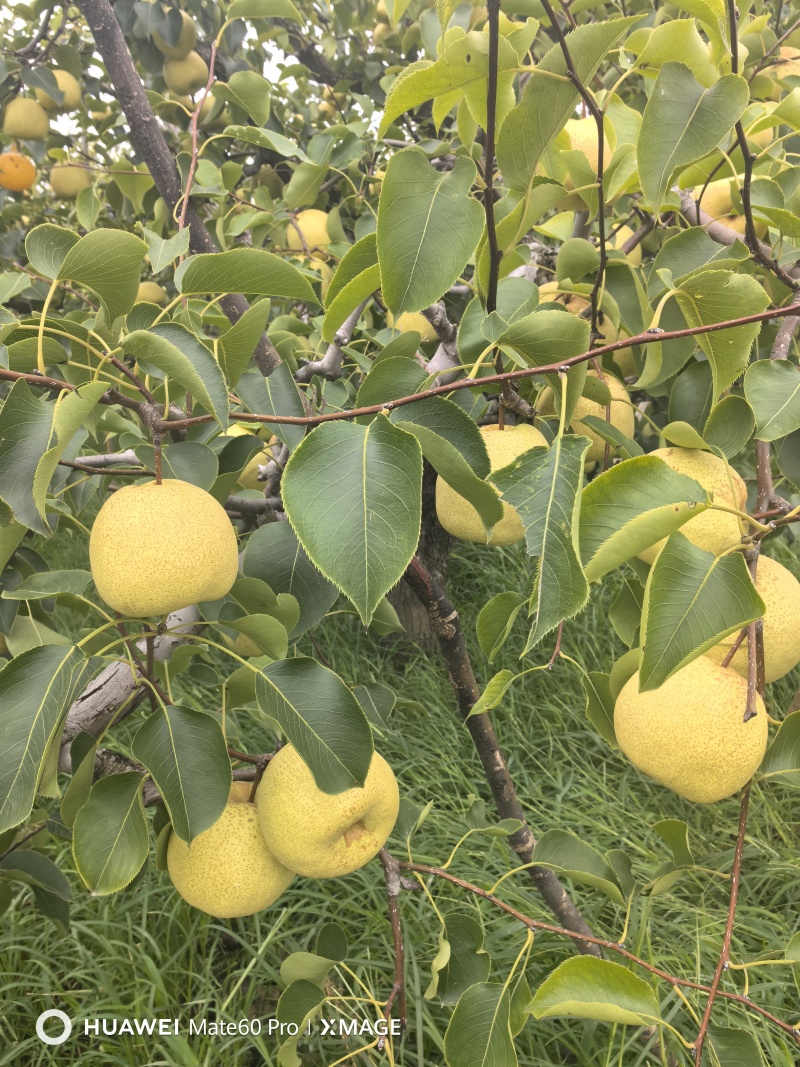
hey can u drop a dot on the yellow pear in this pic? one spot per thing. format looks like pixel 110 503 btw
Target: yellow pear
pixel 156 548
pixel 460 518
pixel 621 413
pixel 67 180
pixel 321 835
pixel 716 200
pixel 583 138
pixel 689 734
pixel 26 119
pixel 780 591
pixel 187 38
pixel 17 173
pixel 151 293
pixel 228 871
pixel 711 530
pixel 739 223
pixel 412 320
pixel 187 75
pixel 788 67
pixel 69 86
pixel 313 224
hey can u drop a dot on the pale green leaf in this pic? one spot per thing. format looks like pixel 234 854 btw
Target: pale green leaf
pixel 109 843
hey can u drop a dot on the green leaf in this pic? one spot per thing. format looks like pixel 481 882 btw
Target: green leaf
pixel 467 961
pixel 263 630
pixel 162 252
pixel 36 689
pixel 28 458
pixel 463 63
pixel 428 227
pixel 33 869
pixel 238 344
pixel 109 263
pixel 625 614
pixel 135 185
pixel 676 834
pixel 479 1031
pixel 247 90
pixel 321 718
pixel 783 755
pixel 377 701
pixel 632 506
pixel 269 139
pixel 184 751
pixel 496 620
pixel 548 102
pixel 298 1004
pixel 44 584
pixel 46 247
pixel 693 599
pixel 587 988
pixel 683 121
pixel 734 1048
pixel 716 296
pixel 353 496
pixel 600 705
pixel 274 555
pixel 772 388
pixel 243 270
pixel 730 425
pixel 178 353
pixel 358 258
pixel 109 841
pixel 340 307
pixel 263 9
pixel 543 484
pixel 389 378
pixel 562 851
pixel 82 752
pixel 547 336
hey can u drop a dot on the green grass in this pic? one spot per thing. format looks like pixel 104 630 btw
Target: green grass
pixel 146 952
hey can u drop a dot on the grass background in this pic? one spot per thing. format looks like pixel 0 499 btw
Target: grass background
pixel 145 952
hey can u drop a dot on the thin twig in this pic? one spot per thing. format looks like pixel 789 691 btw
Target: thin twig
pixel 391 869
pixel 724 956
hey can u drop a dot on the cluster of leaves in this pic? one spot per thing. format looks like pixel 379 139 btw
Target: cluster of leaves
pixel 313 110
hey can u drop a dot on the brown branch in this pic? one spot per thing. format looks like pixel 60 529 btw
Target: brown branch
pixel 447 627
pixel 148 139
pixel 193 134
pixel 724 956
pixel 490 379
pixel 330 366
pixel 391 870
pixel 600 943
pixel 493 12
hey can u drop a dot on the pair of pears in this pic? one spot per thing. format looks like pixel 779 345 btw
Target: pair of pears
pixel 246 860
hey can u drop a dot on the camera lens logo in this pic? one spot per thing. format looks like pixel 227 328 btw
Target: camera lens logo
pixel 53 1013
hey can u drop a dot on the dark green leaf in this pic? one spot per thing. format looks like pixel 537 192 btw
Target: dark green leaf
pixel 243 270
pixel 184 750
pixel 321 718
pixel 109 842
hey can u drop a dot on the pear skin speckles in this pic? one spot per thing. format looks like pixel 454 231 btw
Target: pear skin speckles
pixel 156 548
pixel 689 734
pixel 321 835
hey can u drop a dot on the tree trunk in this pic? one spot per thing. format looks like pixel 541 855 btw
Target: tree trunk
pixel 434 550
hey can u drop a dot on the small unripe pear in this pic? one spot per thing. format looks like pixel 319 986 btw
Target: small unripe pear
pixel 156 548
pixel 187 38
pixel 321 835
pixel 25 119
pixel 689 734
pixel 186 76
pixel 459 517
pixel 71 89
pixel 67 180
pixel 151 293
pixel 228 871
